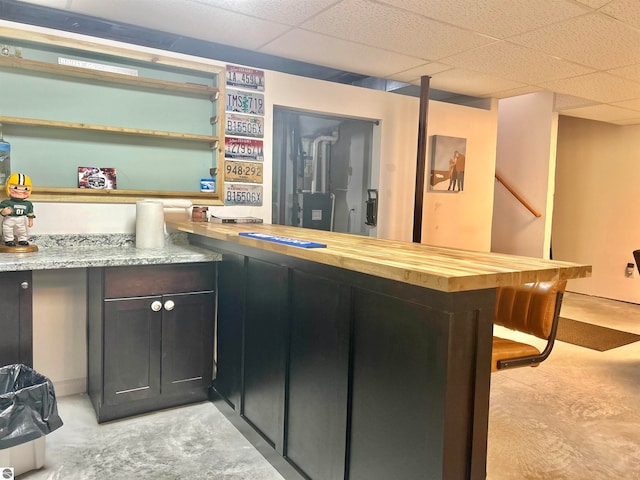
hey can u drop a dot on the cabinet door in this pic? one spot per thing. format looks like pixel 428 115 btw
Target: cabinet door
pixel 265 349
pixel 16 319
pixel 231 299
pixel 318 375
pixel 132 335
pixel 187 342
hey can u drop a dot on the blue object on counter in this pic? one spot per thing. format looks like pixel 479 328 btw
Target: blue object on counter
pixel 293 242
pixel 207 185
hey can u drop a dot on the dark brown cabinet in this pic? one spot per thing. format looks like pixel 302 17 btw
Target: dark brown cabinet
pixel 16 318
pixel 151 335
pixel 351 376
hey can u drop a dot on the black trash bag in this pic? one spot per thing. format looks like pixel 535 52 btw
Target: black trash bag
pixel 28 408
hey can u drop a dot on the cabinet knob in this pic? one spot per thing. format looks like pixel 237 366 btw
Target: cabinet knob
pixel 168 305
pixel 156 306
pixel 24 285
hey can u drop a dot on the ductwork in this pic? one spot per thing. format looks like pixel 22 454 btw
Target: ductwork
pixel 315 151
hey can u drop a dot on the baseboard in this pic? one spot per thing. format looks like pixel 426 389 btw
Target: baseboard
pixel 70 387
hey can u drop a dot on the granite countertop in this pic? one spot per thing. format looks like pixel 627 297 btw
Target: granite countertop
pixel 80 251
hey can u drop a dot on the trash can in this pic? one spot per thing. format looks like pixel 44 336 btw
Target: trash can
pixel 28 411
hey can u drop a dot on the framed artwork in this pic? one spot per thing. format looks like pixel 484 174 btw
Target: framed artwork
pixel 447 164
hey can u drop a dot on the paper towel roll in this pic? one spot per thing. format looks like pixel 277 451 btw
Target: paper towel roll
pixel 149 224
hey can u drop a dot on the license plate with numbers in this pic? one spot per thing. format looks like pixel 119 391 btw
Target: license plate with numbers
pixel 238 194
pixel 244 102
pixel 244 125
pixel 243 77
pixel 248 172
pixel 243 148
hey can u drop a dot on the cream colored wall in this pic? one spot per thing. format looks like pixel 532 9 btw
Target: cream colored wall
pixel 59 328
pixel 595 218
pixel 462 220
pixel 459 220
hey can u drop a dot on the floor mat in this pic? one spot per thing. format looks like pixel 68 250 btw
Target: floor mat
pixel 592 336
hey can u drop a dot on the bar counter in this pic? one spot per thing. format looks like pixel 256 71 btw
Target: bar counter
pixel 438 268
pixel 365 360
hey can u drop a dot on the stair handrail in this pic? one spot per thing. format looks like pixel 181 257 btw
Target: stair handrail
pixel 526 204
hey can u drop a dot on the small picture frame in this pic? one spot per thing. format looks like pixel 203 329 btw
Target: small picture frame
pixel 447 164
pixel 97 178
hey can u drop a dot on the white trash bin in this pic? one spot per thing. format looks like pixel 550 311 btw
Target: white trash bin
pixel 24 457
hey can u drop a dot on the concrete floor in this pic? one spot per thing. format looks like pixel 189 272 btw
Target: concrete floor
pixel 576 417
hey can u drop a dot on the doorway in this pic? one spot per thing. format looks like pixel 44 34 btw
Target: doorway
pixel 322 172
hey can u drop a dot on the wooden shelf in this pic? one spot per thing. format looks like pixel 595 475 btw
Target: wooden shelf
pixel 33 122
pixel 200 72
pixel 73 195
pixel 190 89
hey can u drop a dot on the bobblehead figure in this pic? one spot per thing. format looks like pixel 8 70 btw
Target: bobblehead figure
pixel 17 212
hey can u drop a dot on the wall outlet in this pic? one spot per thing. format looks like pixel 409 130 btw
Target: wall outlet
pixel 628 272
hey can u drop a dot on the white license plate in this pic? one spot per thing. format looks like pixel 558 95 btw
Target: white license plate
pixel 243 148
pixel 243 77
pixel 248 172
pixel 245 125
pixel 244 102
pixel 236 194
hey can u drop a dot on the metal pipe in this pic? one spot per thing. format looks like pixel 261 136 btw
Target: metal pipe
pixel 314 151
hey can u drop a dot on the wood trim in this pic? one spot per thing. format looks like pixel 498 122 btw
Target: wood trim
pixel 35 122
pixel 83 195
pixel 110 77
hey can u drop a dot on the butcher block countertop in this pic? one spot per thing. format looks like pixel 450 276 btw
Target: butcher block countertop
pixel 438 268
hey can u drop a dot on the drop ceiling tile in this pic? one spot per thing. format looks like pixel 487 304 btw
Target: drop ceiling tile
pixel 515 62
pixel 329 51
pixel 413 75
pixel 632 72
pixel 516 92
pixel 594 40
pixel 290 12
pixel 602 113
pixel 599 86
pixel 498 18
pixel 627 122
pixel 633 104
pixel 594 3
pixel 387 27
pixel 565 102
pixel 470 83
pixel 187 18
pixel 627 11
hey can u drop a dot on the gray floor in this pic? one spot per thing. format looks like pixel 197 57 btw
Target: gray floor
pixel 575 417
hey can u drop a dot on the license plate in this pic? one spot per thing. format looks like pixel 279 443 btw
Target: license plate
pixel 245 125
pixel 245 102
pixel 249 172
pixel 237 194
pixel 243 77
pixel 243 148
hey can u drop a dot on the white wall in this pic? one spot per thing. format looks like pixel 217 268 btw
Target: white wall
pixel 595 218
pixel 462 220
pixel 525 158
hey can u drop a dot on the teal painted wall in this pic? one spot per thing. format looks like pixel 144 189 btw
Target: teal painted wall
pixel 51 156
